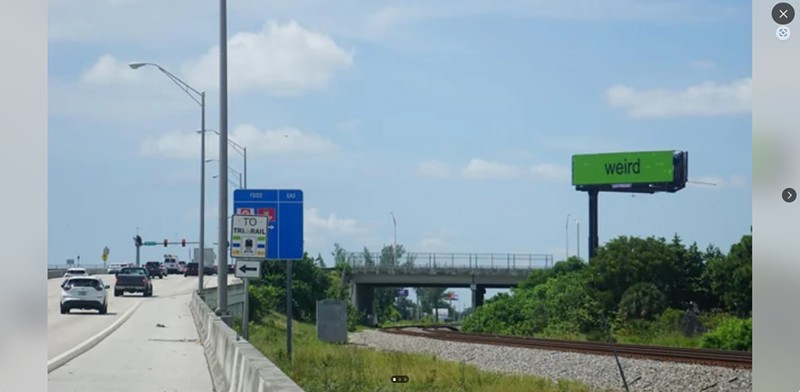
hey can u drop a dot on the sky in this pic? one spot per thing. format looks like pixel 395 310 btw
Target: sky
pixel 460 118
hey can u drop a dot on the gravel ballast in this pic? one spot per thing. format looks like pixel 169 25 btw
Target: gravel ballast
pixel 595 370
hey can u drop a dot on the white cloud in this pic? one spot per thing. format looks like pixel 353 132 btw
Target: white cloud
pixel 433 168
pixel 438 241
pixel 718 183
pixel 703 64
pixel 331 224
pixel 281 140
pixel 481 169
pixel 552 171
pixel 107 69
pixel 186 145
pixel 322 231
pixel 705 99
pixel 282 59
pixel 176 144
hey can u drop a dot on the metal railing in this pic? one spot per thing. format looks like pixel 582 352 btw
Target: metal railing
pixel 455 262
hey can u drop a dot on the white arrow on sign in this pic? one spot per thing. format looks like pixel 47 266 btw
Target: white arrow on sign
pixel 271 227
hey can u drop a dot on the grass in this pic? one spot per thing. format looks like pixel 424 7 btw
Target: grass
pixel 318 366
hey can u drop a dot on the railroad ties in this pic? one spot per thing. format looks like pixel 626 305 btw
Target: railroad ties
pixel 722 358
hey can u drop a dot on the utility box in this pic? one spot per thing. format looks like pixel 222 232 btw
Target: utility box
pixel 332 321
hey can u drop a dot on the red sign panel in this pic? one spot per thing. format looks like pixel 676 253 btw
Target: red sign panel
pixel 244 211
pixel 270 212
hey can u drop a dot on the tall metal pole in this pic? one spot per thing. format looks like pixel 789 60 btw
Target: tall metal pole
pixel 567 230
pixel 394 243
pixel 594 240
pixel 246 310
pixel 578 237
pixel 222 264
pixel 245 167
pixel 289 309
pixel 201 260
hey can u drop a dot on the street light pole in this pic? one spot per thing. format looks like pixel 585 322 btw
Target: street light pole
pixel 394 243
pixel 200 98
pixel 241 150
pixel 201 258
pixel 222 262
pixel 567 248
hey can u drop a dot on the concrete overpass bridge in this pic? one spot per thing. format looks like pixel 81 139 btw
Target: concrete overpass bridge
pixel 476 271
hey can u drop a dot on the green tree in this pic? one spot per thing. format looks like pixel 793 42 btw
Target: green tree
pixel 310 283
pixel 731 277
pixel 642 301
pixel 625 261
pixel 562 267
pixel 430 298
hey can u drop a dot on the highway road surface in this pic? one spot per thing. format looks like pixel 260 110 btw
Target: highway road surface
pixel 65 331
pixel 156 350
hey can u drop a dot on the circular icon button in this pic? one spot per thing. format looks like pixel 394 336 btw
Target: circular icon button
pixel 789 195
pixel 783 33
pixel 783 13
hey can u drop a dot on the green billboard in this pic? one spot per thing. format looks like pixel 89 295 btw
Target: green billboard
pixel 623 168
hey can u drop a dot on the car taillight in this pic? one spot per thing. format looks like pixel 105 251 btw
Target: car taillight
pixel 67 287
pixel 116 279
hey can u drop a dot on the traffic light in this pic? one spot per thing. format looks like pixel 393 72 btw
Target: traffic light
pixel 183 243
pixel 166 243
pixel 137 240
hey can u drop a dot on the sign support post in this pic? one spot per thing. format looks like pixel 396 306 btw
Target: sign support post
pixel 246 311
pixel 289 309
pixel 248 248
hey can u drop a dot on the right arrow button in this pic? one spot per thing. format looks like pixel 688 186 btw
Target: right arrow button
pixel 789 195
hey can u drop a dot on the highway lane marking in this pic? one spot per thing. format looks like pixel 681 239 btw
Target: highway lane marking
pixel 76 351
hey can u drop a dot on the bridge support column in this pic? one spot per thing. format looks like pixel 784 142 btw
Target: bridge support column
pixel 478 292
pixel 363 298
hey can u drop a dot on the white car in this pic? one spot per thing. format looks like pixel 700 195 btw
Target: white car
pixel 84 292
pixel 113 269
pixel 75 272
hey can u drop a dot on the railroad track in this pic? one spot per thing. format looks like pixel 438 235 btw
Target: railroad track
pixel 724 358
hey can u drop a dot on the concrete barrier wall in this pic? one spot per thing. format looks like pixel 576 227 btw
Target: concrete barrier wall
pixel 235 298
pixel 234 363
pixel 59 272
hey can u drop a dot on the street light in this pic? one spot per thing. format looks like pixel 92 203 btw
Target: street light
pixel 567 249
pixel 231 182
pixel 200 98
pixel 241 150
pixel 394 243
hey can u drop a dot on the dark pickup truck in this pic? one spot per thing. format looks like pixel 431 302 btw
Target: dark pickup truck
pixel 133 280
pixel 154 269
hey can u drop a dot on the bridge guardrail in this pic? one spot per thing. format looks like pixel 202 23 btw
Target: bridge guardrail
pixel 486 262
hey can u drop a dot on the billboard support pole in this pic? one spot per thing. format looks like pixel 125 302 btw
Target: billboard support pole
pixel 594 240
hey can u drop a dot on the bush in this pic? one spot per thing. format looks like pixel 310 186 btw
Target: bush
pixel 641 301
pixel 732 334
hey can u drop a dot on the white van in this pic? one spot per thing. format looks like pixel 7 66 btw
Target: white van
pixel 171 264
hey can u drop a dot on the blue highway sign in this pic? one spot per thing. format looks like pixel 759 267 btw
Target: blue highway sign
pixel 284 207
